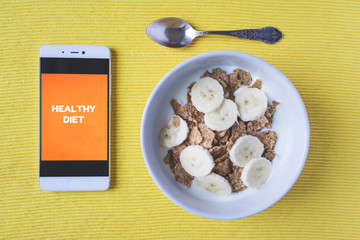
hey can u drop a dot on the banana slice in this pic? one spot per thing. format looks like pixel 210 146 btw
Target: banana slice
pixel 222 118
pixel 207 94
pixel 215 183
pixel 252 103
pixel 244 149
pixel 174 132
pixel 256 172
pixel 196 160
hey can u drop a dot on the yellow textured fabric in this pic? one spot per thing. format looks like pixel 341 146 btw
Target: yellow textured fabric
pixel 319 54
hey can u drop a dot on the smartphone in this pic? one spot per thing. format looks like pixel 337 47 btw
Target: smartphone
pixel 74 107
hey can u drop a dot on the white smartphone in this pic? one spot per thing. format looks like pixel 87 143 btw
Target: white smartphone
pixel 74 107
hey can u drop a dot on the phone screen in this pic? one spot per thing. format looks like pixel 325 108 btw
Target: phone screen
pixel 74 123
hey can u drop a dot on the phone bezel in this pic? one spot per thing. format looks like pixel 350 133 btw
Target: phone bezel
pixel 89 183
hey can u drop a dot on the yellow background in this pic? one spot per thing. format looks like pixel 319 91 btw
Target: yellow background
pixel 319 53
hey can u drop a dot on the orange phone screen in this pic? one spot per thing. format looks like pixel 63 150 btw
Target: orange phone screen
pixel 74 117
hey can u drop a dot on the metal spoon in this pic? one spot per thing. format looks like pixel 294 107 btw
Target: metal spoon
pixel 177 33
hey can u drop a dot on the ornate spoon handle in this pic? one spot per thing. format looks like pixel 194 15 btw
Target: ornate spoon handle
pixel 267 34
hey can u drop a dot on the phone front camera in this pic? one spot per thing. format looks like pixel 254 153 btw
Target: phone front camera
pixel 83 52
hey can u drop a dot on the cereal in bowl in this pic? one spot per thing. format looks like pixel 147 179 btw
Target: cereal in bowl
pixel 221 136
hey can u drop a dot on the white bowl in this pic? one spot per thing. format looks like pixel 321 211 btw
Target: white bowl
pixel 290 122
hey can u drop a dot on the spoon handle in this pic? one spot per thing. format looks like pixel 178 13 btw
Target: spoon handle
pixel 267 34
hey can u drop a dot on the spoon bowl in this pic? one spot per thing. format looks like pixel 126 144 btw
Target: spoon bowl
pixel 171 32
pixel 177 33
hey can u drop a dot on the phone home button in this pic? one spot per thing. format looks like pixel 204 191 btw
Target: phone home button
pixel 76 184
